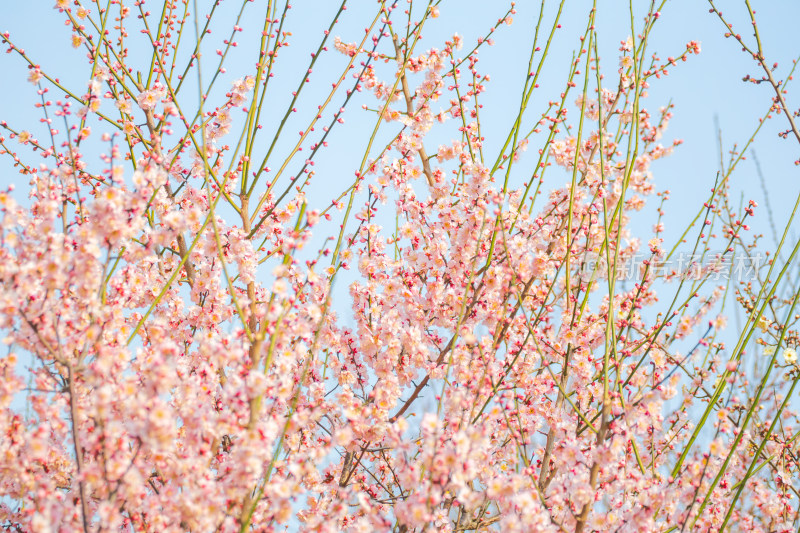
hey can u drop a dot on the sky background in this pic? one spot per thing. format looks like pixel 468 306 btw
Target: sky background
pixel 706 90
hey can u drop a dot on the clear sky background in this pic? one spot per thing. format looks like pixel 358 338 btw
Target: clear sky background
pixel 706 90
pixel 705 87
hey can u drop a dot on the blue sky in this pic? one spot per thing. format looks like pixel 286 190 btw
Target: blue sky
pixel 706 90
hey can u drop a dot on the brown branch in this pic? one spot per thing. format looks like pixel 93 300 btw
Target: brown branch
pixel 759 57
pixel 182 248
pixel 426 166
pixel 73 413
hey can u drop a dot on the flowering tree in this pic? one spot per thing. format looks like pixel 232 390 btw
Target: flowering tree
pixel 179 359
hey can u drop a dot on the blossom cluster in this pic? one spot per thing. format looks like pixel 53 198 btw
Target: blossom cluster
pixel 179 359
